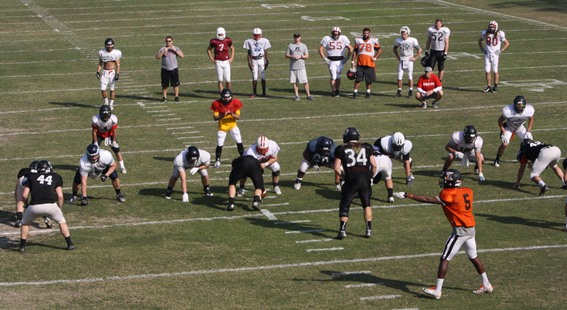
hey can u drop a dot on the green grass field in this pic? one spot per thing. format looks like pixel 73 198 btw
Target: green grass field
pixel 154 253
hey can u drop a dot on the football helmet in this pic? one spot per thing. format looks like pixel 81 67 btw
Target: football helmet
pixel 221 33
pixel 351 74
pixel 493 26
pixel 398 141
pixel 44 166
pixel 192 155
pixel 470 134
pixel 104 112
pixel 519 104
pixel 335 33
pixel 424 61
pixel 351 134
pixel 257 31
pixel 323 146
pixel 33 166
pixel 226 96
pixel 93 152
pixel 262 145
pixel 405 29
pixel 450 178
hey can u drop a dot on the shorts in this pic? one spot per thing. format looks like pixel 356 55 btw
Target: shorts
pixel 169 78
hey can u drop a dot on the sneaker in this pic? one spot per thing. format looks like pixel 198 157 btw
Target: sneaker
pixel 164 100
pixel 217 164
pixel 435 104
pixel 432 292
pixel 123 170
pixel 297 184
pixel 368 233
pixel 168 194
pixel 230 207
pixel 72 199
pixel 368 95
pixel 424 104
pixel 410 93
pixel 240 192
pixel 18 224
pixel 70 247
pixel 277 190
pixel 398 94
pixel 176 99
pixel 84 201
pixel 296 98
pixel 336 94
pixel 341 235
pixel 256 205
pixel 390 199
pixel 543 190
pixel 309 97
pixel 47 222
pixel 22 249
pixel 252 96
pixel 208 192
pixel 120 197
pixel 354 95
pixel 496 163
pixel 488 89
pixel 484 289
pixel 494 89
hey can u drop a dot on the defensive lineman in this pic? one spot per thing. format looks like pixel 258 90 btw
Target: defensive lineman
pixel 198 161
pixel 104 127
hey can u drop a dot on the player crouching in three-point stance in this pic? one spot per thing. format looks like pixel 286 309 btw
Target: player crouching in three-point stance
pixel 457 204
pixel 198 161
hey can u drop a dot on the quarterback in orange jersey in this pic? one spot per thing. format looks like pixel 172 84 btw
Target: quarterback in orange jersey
pixel 366 51
pixel 457 203
pixel 226 111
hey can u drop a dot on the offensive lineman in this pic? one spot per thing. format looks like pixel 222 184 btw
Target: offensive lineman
pixel 104 127
pixel 332 50
pixel 257 59
pixel 221 53
pixel 108 70
pixel 266 151
pixel 318 152
pixel 396 146
pixel 196 159
pixel 466 146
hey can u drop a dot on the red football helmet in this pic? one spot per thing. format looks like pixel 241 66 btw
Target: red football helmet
pixel 351 74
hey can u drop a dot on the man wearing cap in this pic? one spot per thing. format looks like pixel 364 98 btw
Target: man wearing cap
pixel 429 87
pixel 297 52
pixel 258 62
pixel 221 53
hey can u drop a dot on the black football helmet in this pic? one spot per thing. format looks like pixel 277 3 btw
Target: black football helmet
pixel 192 155
pixel 33 166
pixel 520 103
pixel 323 146
pixel 470 134
pixel 44 166
pixel 93 153
pixel 351 134
pixel 424 61
pixel 104 112
pixel 226 96
pixel 351 74
pixel 450 178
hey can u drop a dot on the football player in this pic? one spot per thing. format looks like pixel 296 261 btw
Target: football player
pixel 404 48
pixel 512 122
pixel 226 111
pixel 335 51
pixel 257 48
pixel 396 146
pixel 318 152
pixel 95 163
pixel 367 49
pixel 355 163
pixel 490 44
pixel 438 40
pixel 23 177
pixel 108 70
pixel 266 151
pixel 457 203
pixel 45 187
pixel 466 146
pixel 104 126
pixel 221 53
pixel 541 156
pixel 384 171
pixel 198 161
pixel 243 167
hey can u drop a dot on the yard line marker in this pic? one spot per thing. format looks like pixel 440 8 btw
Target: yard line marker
pixel 314 240
pixel 325 249
pixel 304 231
pixel 292 222
pixel 362 285
pixel 350 273
pixel 269 214
pixel 380 297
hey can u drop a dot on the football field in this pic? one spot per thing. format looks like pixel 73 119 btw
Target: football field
pixel 149 252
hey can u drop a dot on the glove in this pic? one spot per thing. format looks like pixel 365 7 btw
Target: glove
pixel 327 60
pixel 426 54
pixel 459 155
pixel 400 195
pixel 116 76
pixel 528 135
pixel 103 177
pixel 338 187
pixel 98 75
pixel 444 56
pixel 107 141
pixel 504 139
pixel 185 197
pixel 409 180
pixel 481 177
pixel 316 167
pixel 194 170
pixel 465 162
pixel 84 201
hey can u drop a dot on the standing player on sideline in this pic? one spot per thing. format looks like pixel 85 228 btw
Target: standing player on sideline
pixel 332 50
pixel 226 111
pixel 438 39
pixel 406 57
pixel 221 53
pixel 196 159
pixel 318 152
pixel 511 123
pixel 457 204
pixel 354 161
pixel 104 127
pixel 257 59
pixel 493 39
pixel 366 51
pixel 108 70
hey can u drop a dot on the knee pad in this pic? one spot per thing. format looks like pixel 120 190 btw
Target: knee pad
pixel 115 149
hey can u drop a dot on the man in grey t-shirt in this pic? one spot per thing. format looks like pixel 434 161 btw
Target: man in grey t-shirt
pixel 297 52
pixel 169 70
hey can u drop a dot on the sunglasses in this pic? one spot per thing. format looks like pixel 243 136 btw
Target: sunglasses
pixel 168 40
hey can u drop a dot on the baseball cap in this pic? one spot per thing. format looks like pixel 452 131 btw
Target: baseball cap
pixel 428 69
pixel 296 35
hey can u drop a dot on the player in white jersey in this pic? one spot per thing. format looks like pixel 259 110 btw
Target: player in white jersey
pixel 407 50
pixel 108 70
pixel 466 146
pixel 191 158
pixel 266 151
pixel 490 43
pixel 95 163
pixel 384 171
pixel 104 126
pixel 258 59
pixel 335 51
pixel 512 122
pixel 437 46
pixel 396 146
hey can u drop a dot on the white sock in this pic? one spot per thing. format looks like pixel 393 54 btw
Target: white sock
pixel 439 285
pixel 121 164
pixel 106 100
pixel 484 279
pixel 111 102
pixel 356 91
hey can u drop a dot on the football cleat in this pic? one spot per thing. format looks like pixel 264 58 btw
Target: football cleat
pixel 496 163
pixel 488 89
pixel 208 192
pixel 494 89
pixel 296 98
pixel 47 222
pixel 22 249
pixel 484 289
pixel 354 95
pixel 410 93
pixel 309 97
pixel 70 247
pixel 230 207
pixel 432 292
pixel 342 234
pixel 123 170
pixel 176 99
pixel 18 224
pixel 256 205
pixel 398 94
pixel 120 197
pixel 217 164
pixel 240 192
pixel 368 95
pixel 168 194
pixel 277 190
pixel 84 201
pixel 424 104
pixel 297 184
pixel 390 199
pixel 435 104
pixel 543 190
pixel 72 199
pixel 164 100
pixel 338 187
pixel 368 233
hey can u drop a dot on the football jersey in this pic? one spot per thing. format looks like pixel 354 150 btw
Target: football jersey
pixel 385 146
pixel 310 153
pixel 273 150
pixel 94 170
pixel 355 159
pixel 493 40
pixel 335 48
pixel 438 37
pixel 106 56
pixel 366 51
pixel 515 120
pixel 258 47
pixel 228 122
pixel 406 47
pixel 531 151
pixel 221 48
pixel 105 129
pixel 42 187
pixel 458 143
pixel 458 206
pixel 181 161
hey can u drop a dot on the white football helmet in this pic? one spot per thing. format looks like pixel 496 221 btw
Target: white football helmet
pixel 398 141
pixel 262 145
pixel 257 31
pixel 405 29
pixel 493 26
pixel 335 32
pixel 221 34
